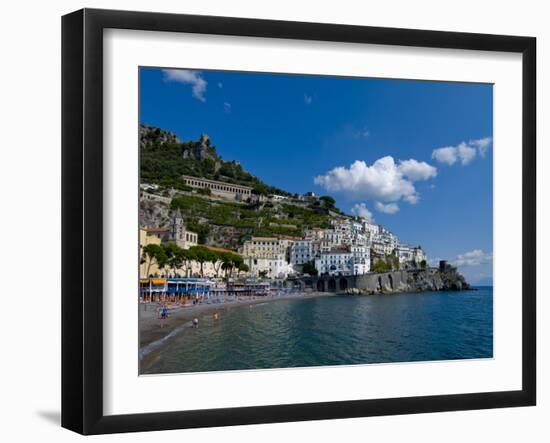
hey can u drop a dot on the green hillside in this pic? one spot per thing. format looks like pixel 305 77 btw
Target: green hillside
pixel 164 159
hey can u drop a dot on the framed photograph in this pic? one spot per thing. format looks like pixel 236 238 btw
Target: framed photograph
pixel 269 221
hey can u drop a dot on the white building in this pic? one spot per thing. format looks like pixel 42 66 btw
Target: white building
pixel 361 259
pixel 379 247
pixel 410 254
pixel 371 229
pixel 148 187
pixel 275 267
pixel 301 252
pixel 405 253
pixel 269 256
pixel 419 255
pixel 315 234
pixel 337 261
pixel 278 198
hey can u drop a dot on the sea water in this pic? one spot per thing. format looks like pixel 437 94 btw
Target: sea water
pixel 336 330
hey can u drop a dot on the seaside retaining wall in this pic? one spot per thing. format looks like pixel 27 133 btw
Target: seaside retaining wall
pixel 430 279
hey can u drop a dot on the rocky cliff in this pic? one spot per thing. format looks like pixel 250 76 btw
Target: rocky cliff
pixel 164 158
pixel 150 135
pixel 420 280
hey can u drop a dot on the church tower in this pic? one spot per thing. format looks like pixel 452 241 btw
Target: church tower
pixel 177 229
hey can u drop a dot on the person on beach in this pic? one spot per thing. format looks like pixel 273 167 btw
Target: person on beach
pixel 195 323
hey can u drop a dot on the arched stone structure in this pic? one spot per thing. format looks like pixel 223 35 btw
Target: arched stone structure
pixel 320 285
pixel 343 284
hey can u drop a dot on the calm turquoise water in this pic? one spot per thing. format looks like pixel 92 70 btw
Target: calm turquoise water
pixel 336 331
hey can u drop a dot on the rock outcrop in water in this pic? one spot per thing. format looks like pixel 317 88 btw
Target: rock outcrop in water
pixel 421 280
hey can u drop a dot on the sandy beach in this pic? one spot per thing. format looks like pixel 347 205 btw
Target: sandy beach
pixel 155 332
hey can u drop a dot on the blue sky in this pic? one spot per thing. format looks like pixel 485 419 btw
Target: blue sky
pixel 416 156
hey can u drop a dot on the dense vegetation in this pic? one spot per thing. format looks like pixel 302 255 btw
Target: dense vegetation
pixel 178 261
pixel 164 159
pixel 388 263
pixel 267 220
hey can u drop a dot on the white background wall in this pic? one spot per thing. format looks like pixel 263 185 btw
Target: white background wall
pixel 30 217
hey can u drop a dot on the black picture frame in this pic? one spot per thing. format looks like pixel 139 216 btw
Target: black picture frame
pixel 82 220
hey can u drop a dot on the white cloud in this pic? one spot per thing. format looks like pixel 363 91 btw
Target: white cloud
pixel 220 85
pixel 473 258
pixel 308 99
pixel 361 210
pixel 415 170
pixel 476 257
pixel 227 107
pixel 445 155
pixel 464 152
pixel 412 199
pixel 188 77
pixel 384 180
pixel 390 208
pixel 358 132
pixel 482 144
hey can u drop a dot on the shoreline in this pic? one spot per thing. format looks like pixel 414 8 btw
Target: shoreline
pixel 168 354
pixel 154 332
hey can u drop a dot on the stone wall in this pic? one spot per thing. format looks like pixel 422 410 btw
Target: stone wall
pixel 420 280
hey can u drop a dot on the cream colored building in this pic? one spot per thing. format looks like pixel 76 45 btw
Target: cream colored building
pixel 147 238
pixel 268 255
pixel 275 267
pixel 265 247
pixel 219 189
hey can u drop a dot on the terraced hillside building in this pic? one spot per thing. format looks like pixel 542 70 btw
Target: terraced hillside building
pixel 228 191
pixel 269 255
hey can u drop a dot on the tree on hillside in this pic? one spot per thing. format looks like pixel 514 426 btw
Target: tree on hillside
pixel 202 255
pixel 230 262
pixel 221 258
pixel 309 268
pixel 188 257
pixel 174 256
pixel 227 265
pixel 204 191
pixel 243 267
pixel 214 257
pixel 328 201
pixel 423 264
pixel 201 229
pixel 381 266
pixel 237 261
pixel 153 254
pixel 395 262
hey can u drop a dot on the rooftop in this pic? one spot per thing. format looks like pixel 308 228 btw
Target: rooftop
pixel 216 249
pixel 155 230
